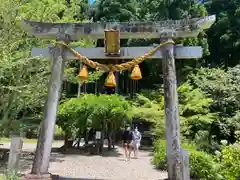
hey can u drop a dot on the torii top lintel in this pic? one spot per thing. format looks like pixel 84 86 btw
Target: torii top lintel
pixel 160 29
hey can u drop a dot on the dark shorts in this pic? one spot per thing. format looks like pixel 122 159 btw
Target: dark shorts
pixel 126 145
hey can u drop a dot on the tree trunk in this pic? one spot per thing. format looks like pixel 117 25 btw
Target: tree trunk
pixel 86 134
pixel 66 141
pixel 113 140
pixel 102 142
pixel 109 142
pixel 78 143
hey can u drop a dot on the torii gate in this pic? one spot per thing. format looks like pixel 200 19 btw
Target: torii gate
pixel 164 30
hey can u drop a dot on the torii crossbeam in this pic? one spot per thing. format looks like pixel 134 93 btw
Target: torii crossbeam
pixel 74 31
pixel 138 30
pixel 191 52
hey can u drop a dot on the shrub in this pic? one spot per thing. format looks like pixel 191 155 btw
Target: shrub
pixel 223 86
pixel 231 162
pixel 159 156
pixel 10 175
pixel 58 133
pixel 202 165
pixel 107 112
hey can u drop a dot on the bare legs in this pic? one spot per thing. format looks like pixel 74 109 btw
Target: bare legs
pixel 136 150
pixel 130 151
pixel 127 150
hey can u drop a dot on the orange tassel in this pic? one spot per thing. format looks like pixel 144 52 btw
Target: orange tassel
pixel 136 73
pixel 110 80
pixel 83 74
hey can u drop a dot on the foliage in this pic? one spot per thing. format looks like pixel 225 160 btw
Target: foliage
pixel 58 132
pixel 194 110
pixel 147 110
pixel 160 157
pixel 224 35
pixel 114 10
pixel 72 115
pixel 23 78
pixel 202 165
pixel 176 10
pixel 10 175
pixel 107 112
pixel 150 111
pixel 230 162
pixel 222 85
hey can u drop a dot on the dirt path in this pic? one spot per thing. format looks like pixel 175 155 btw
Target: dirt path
pixel 108 167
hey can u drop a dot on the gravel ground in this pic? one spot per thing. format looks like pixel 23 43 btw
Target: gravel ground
pixel 111 166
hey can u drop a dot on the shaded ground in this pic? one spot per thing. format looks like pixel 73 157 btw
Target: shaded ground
pixel 110 166
pixel 27 156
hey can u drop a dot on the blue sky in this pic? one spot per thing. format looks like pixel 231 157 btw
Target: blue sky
pixel 91 1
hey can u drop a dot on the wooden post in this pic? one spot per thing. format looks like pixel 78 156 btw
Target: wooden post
pixel 15 152
pixel 171 114
pixel 44 145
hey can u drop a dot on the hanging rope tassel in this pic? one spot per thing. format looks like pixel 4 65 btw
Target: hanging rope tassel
pixel 117 67
pixel 83 74
pixel 110 80
pixel 136 73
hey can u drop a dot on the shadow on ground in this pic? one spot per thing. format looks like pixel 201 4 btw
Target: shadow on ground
pixel 82 151
pixel 146 148
pixel 26 160
pixel 57 155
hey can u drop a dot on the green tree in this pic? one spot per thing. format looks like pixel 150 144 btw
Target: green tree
pixel 194 110
pixel 157 10
pixel 150 109
pixel 222 86
pixel 164 9
pixel 115 10
pixel 224 35
pixel 106 113
pixel 23 78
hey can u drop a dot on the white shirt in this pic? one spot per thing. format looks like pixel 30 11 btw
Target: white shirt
pixel 137 136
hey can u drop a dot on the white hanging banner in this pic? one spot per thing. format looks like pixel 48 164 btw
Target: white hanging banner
pixel 98 135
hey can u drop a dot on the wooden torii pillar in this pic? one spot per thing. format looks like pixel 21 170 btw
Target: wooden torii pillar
pixel 164 30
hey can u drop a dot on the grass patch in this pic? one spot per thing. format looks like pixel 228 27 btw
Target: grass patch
pixel 9 175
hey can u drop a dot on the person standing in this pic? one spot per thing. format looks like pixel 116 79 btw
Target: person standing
pixel 127 138
pixel 137 137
